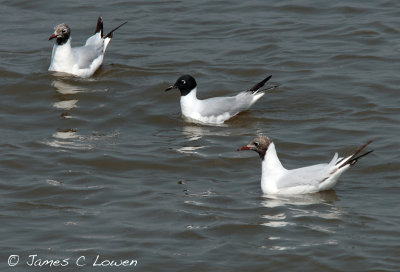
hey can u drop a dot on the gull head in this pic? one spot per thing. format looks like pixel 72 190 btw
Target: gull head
pixel 61 33
pixel 185 84
pixel 259 144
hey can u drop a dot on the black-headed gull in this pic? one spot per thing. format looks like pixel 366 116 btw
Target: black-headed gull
pixel 214 110
pixel 81 61
pixel 275 179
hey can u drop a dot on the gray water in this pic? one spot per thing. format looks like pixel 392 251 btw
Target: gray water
pixel 107 167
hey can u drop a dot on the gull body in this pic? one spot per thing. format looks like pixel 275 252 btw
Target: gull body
pixel 276 179
pixel 214 110
pixel 80 61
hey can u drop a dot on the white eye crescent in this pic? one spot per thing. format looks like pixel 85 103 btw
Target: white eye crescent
pixel 256 144
pixel 183 81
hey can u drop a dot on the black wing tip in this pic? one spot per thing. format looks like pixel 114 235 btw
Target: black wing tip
pixel 256 87
pixel 370 141
pixel 99 26
pixel 110 34
pixel 355 157
pixel 354 160
pixel 267 78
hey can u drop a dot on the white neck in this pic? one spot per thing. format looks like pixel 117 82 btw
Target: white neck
pixel 271 170
pixel 190 104
pixel 61 57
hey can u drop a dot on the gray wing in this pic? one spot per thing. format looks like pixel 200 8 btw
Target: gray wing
pixel 231 104
pixel 309 176
pixel 85 55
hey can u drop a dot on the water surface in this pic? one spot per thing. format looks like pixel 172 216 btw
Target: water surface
pixel 107 166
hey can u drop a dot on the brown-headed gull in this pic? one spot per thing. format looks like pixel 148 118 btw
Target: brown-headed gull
pixel 80 61
pixel 215 110
pixel 275 179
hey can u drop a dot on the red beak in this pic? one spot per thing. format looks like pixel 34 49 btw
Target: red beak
pixel 52 36
pixel 246 147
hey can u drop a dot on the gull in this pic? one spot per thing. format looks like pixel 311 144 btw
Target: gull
pixel 275 179
pixel 214 110
pixel 80 61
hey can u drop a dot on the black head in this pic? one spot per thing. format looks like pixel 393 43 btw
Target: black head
pixel 259 144
pixel 61 33
pixel 185 84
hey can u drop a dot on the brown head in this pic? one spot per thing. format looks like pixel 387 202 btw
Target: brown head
pixel 259 144
pixel 61 33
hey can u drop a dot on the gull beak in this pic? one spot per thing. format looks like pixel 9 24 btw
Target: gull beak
pixel 246 147
pixel 53 36
pixel 170 88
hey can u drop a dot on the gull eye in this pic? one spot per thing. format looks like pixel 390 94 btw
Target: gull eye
pixel 183 81
pixel 64 31
pixel 256 144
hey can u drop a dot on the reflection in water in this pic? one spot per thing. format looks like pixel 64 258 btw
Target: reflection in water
pixel 67 94
pixel 65 105
pixel 66 88
pixel 307 211
pixel 54 182
pixel 189 149
pixel 272 201
pixel 69 139
pixel 68 97
pixel 66 135
pixel 194 133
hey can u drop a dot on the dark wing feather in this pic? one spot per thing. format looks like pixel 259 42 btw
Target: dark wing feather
pixel 256 87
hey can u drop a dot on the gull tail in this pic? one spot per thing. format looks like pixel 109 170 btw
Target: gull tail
pixel 256 88
pixel 354 156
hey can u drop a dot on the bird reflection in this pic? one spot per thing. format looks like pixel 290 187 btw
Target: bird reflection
pixel 63 87
pixel 283 210
pixel 68 91
pixel 68 97
pixel 194 134
pixel 305 199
